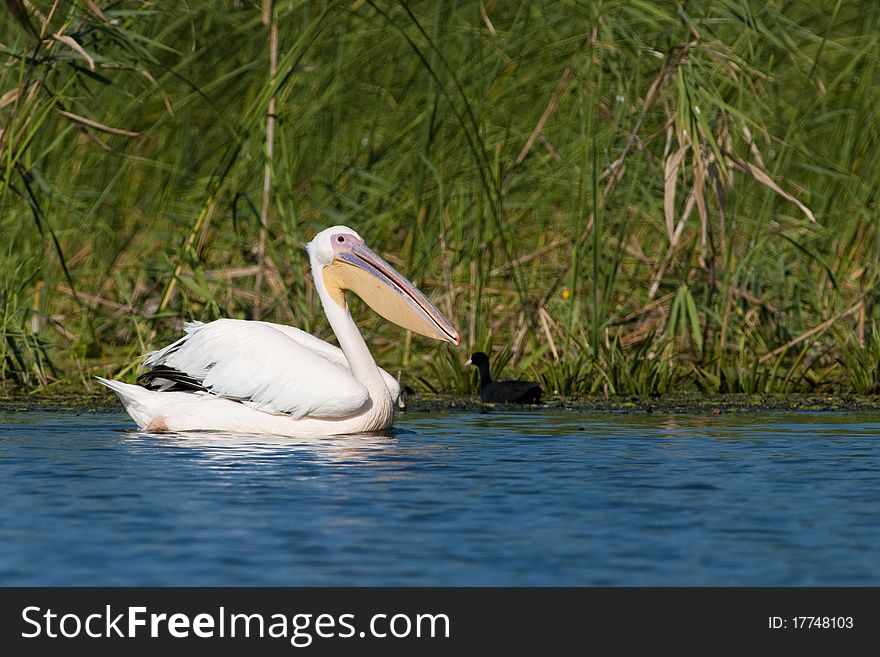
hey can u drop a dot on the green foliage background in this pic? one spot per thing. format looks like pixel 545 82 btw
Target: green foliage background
pixel 620 197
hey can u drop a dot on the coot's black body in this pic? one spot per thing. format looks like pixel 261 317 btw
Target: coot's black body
pixel 503 392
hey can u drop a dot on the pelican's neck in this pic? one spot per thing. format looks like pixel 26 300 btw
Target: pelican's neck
pixel 352 343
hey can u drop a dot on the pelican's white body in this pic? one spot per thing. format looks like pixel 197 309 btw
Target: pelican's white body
pixel 302 386
pixel 269 378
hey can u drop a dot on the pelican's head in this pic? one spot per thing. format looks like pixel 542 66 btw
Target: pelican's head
pixel 342 260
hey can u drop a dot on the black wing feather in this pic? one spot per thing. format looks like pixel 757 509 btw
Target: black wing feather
pixel 168 379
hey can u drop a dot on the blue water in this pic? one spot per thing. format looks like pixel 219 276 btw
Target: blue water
pixel 446 499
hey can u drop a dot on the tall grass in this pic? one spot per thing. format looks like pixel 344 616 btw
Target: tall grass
pixel 623 197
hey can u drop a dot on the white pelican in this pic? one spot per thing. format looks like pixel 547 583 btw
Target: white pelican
pixel 258 377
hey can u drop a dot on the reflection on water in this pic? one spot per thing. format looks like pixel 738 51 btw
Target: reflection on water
pixel 340 449
pixel 447 499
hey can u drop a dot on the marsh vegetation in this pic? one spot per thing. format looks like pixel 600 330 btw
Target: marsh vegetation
pixel 620 197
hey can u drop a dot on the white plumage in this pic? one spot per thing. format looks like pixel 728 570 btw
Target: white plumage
pixel 263 363
pixel 260 377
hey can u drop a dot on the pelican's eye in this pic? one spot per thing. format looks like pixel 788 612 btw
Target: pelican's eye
pixel 340 238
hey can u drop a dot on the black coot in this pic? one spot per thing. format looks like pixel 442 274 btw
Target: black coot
pixel 503 392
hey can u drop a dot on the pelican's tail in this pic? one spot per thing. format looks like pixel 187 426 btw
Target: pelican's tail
pixel 136 400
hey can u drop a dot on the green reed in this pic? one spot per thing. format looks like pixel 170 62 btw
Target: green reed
pixel 622 197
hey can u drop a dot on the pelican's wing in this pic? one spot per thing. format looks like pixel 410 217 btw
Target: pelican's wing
pixel 330 352
pixel 265 367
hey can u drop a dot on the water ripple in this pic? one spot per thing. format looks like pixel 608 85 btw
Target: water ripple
pixel 446 499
